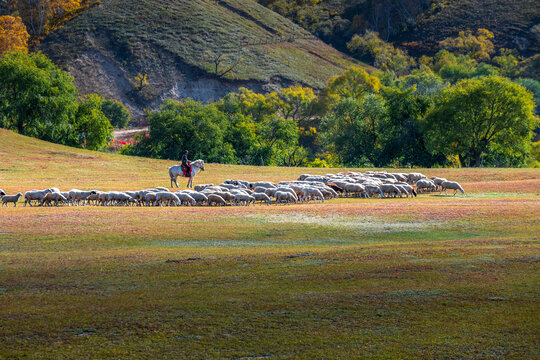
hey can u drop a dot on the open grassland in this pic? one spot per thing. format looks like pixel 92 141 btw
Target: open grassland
pixel 431 277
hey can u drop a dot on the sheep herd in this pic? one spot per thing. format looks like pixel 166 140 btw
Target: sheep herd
pixel 244 193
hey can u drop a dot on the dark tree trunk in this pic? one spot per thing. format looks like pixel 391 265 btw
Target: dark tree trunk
pixel 477 158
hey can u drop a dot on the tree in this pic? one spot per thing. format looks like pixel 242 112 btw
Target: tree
pixel 385 56
pixel 178 126
pixel 355 83
pixel 92 125
pixel 424 80
pixel 352 129
pixel 477 115
pixel 401 134
pixel 478 46
pixel 37 98
pixel 116 112
pixel 507 62
pixel 38 15
pixel 13 34
pixel 223 63
pixel 140 81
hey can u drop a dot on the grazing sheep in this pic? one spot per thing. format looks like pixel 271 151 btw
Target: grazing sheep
pixel 54 197
pixel 149 198
pixel 166 197
pixel 373 190
pixel 312 194
pixel 77 196
pixel 259 189
pixel 243 199
pixel 270 192
pixel 408 189
pixel 217 200
pixel 452 185
pixel 262 197
pixel 284 197
pixel 437 181
pixel 161 189
pixel 425 185
pixel 289 190
pixel 35 195
pixel 202 187
pixel 6 199
pixel 103 198
pixel 412 178
pixel 354 189
pixel 186 199
pixel 118 199
pixel 390 190
pixel 265 184
pixel 200 198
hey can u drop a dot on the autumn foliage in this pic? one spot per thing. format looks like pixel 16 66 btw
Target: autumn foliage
pixel 13 34
pixel 38 15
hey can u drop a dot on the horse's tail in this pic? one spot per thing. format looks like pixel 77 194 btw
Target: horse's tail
pixel 171 174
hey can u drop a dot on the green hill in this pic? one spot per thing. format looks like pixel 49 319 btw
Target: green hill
pixel 109 44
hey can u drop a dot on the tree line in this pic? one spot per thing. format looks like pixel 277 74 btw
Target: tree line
pixel 461 107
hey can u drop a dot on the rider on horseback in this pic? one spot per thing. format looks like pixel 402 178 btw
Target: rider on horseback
pixel 186 164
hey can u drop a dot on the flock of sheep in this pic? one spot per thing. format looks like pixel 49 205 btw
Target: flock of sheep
pixel 239 192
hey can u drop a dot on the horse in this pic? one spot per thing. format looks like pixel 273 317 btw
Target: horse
pixel 176 170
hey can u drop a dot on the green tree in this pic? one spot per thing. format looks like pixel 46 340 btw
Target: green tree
pixel 401 134
pixel 351 129
pixel 424 81
pixel 36 98
pixel 355 83
pixel 477 115
pixel 190 125
pixel 117 113
pixel 507 62
pixel 93 126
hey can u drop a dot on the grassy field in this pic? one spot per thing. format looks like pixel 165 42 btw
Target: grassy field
pixel 432 277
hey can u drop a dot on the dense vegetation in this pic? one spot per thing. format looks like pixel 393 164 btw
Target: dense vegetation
pixel 418 25
pixel 452 109
pixel 40 100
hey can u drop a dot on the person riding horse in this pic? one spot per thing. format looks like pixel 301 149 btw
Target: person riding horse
pixel 186 164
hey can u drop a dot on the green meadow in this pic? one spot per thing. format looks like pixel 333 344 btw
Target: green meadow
pixel 434 277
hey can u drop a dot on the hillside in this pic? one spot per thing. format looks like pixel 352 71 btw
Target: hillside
pixel 29 163
pixel 108 45
pixel 510 21
pixel 417 24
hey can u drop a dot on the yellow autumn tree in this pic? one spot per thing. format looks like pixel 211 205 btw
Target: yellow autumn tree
pixel 39 14
pixel 13 34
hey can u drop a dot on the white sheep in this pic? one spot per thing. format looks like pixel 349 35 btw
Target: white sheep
pixel 284 197
pixel 263 198
pixel 452 185
pixel 186 199
pixel 390 190
pixel 6 199
pixel 166 197
pixel 423 185
pixel 373 190
pixel 243 199
pixel 35 195
pixel 76 196
pixel 214 199
pixel 309 193
pixel 200 198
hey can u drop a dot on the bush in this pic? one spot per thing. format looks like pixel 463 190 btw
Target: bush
pixel 117 113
